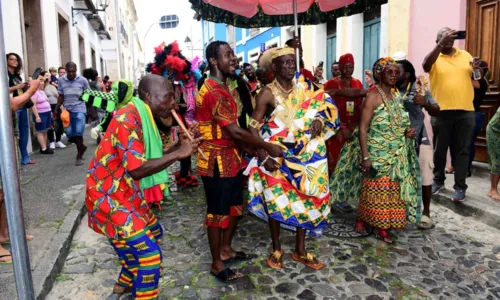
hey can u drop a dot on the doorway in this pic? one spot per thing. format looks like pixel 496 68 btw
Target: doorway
pixel 64 40
pixel 81 47
pixel 371 45
pixel 34 35
pixel 331 54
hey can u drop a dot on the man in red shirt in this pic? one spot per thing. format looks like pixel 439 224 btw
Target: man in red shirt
pixel 217 114
pixel 114 197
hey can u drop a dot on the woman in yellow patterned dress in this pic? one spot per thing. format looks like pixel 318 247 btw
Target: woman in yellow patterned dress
pixel 389 192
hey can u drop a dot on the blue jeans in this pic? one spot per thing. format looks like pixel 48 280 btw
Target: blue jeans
pixel 76 124
pixel 24 132
pixel 479 120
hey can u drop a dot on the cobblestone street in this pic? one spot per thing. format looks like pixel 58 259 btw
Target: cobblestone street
pixel 458 259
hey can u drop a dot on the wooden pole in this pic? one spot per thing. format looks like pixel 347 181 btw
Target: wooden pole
pixel 186 131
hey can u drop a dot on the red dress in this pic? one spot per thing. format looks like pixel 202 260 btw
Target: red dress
pixel 349 115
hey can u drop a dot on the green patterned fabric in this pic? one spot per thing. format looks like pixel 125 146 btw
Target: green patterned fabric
pixel 102 100
pixel 391 153
pixel 311 17
pixel 493 141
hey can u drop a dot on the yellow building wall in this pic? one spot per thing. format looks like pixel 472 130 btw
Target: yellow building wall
pixel 307 46
pixel 399 25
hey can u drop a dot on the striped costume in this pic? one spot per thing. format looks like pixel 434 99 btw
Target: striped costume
pixel 140 257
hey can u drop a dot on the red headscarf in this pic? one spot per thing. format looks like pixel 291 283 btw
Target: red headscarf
pixel 346 59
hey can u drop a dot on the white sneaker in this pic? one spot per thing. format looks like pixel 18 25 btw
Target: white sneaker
pixel 60 145
pixel 52 145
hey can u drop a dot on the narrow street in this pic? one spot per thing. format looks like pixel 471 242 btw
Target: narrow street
pixel 458 259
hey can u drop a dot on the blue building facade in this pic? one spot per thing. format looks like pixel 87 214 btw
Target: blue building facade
pixel 247 43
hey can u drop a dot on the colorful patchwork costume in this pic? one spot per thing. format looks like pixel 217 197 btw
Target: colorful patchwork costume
pixel 297 194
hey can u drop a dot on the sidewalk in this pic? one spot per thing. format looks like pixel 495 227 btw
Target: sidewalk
pixel 53 198
pixel 477 203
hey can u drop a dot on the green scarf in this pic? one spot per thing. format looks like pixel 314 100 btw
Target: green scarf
pixel 152 145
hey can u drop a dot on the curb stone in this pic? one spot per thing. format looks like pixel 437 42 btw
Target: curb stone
pixel 45 273
pixel 470 208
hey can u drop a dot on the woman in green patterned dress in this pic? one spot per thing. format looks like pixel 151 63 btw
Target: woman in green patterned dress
pixel 386 181
pixel 493 141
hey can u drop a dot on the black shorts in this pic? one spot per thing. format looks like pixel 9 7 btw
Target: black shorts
pixel 224 198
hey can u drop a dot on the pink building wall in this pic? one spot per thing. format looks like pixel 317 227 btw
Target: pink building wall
pixel 426 18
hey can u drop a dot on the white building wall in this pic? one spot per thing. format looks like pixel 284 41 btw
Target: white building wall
pixel 319 46
pixel 355 32
pixel 384 31
pixel 13 37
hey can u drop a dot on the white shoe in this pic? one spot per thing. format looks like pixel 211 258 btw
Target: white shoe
pixel 52 145
pixel 60 145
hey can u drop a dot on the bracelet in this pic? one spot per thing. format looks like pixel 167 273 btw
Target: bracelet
pixel 265 160
pixel 366 158
pixel 253 123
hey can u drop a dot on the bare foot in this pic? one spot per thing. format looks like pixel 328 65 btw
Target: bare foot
pixel 493 194
pixel 6 240
pixel 226 254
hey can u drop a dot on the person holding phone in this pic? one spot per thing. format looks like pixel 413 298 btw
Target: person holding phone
pixel 450 72
pixel 17 87
pixel 16 102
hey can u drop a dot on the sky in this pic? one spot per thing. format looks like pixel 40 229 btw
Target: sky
pixel 149 13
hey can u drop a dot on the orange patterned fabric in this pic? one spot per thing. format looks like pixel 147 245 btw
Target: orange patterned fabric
pixel 381 205
pixel 215 109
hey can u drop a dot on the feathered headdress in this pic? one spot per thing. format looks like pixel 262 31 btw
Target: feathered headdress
pixel 170 63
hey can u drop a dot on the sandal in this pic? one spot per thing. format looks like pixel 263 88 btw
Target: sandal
pixel 240 256
pixel 3 262
pixel 277 255
pixel 227 275
pixel 309 260
pixel 117 296
pixel 425 223
pixel 360 227
pixel 384 236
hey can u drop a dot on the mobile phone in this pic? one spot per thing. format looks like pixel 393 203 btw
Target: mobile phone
pixel 36 73
pixel 461 35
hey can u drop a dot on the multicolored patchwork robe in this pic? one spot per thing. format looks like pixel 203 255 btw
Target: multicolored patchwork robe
pixel 297 195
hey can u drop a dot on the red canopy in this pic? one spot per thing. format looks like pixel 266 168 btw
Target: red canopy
pixel 249 8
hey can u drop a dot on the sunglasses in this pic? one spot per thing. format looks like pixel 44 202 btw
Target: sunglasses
pixel 393 72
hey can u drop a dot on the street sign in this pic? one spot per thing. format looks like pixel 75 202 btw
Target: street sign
pixel 262 47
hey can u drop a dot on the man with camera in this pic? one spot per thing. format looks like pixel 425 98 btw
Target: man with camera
pixel 450 72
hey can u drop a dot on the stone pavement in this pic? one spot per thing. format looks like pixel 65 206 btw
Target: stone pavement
pixel 52 194
pixel 458 259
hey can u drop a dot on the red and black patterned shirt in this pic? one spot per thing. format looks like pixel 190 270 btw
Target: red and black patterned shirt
pixel 215 109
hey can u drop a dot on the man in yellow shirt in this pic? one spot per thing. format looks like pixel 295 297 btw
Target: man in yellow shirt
pixel 450 72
